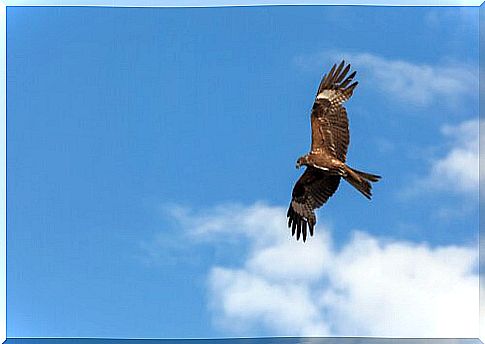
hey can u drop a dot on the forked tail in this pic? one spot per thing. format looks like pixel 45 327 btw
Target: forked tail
pixel 361 180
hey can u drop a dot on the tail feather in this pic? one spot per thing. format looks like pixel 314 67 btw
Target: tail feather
pixel 361 180
pixel 370 177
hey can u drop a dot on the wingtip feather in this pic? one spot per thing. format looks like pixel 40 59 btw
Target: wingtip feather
pixel 337 78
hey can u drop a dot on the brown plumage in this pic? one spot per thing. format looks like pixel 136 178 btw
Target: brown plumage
pixel 325 164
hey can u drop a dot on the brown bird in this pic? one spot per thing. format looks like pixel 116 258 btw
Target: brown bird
pixel 325 164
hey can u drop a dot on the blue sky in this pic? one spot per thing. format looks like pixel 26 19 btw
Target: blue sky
pixel 137 136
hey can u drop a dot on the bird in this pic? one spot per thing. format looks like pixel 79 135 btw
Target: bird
pixel 325 163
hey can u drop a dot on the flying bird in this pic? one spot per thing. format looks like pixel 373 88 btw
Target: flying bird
pixel 325 163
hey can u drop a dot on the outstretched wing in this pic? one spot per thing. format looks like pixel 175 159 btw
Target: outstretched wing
pixel 311 191
pixel 330 125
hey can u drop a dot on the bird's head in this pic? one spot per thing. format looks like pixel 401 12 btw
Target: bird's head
pixel 303 160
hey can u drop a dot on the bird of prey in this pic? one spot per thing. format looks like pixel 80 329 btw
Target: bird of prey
pixel 325 163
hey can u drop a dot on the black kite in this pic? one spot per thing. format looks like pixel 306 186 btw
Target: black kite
pixel 326 161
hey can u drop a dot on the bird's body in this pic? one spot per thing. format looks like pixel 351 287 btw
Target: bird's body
pixel 323 161
pixel 326 160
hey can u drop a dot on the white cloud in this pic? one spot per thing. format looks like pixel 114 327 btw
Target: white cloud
pixel 458 169
pixel 404 289
pixel 412 83
pixel 243 300
pixel 368 287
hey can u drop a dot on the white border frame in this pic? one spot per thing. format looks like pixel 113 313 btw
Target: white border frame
pixel 143 3
pixel 227 3
pixel 3 172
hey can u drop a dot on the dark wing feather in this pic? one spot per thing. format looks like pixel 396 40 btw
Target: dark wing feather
pixel 330 125
pixel 330 132
pixel 311 191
